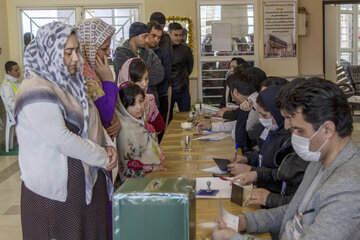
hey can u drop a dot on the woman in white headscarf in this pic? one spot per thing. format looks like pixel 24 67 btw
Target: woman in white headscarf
pixel 63 149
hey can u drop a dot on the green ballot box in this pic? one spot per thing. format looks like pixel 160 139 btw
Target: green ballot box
pixel 154 208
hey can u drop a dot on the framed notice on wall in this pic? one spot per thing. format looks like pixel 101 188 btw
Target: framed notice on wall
pixel 279 29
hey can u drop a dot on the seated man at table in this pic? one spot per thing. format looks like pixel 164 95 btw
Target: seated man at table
pixel 231 113
pixel 327 202
pixel 243 90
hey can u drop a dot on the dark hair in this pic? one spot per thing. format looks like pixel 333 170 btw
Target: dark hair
pixel 241 64
pixel 184 31
pixel 273 81
pixel 261 75
pixel 244 83
pixel 320 100
pixel 238 60
pixel 159 17
pixel 175 26
pixel 261 103
pixel 128 94
pixel 28 36
pixel 9 65
pixel 154 24
pixel 137 69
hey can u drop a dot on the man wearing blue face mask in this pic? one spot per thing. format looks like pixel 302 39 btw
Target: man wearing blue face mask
pixel 327 203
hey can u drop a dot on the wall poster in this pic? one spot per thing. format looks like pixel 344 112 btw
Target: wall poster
pixel 279 29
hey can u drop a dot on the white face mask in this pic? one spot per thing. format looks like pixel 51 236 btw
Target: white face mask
pixel 267 123
pixel 301 146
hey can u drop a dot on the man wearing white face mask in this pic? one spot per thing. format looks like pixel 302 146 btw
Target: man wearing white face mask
pixel 327 203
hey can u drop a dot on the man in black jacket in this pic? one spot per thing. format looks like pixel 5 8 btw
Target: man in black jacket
pixel 181 68
pixel 152 42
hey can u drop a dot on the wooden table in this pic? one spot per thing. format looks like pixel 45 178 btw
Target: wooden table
pixel 189 163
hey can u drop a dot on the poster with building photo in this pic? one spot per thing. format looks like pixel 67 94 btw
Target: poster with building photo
pixel 279 29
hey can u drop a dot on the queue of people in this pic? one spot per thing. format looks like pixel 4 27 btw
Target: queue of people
pixel 76 122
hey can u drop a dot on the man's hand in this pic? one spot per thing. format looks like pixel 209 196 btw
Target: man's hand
pixel 222 234
pixel 238 168
pixel 258 196
pixel 246 178
pixel 220 113
pixel 103 70
pixel 239 159
pixel 115 127
pixel 112 158
pixel 247 105
pixel 204 125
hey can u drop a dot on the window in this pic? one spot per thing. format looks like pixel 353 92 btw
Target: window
pixel 214 64
pixel 32 20
pixel 349 38
pixel 119 18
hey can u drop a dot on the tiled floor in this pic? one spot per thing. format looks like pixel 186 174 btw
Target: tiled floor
pixel 10 227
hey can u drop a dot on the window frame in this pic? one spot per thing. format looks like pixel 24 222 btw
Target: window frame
pixel 201 59
pixel 79 15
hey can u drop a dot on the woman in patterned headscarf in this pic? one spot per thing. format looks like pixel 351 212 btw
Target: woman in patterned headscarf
pixel 95 39
pixel 64 151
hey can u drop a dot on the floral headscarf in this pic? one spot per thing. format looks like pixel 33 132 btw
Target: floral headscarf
pixel 45 56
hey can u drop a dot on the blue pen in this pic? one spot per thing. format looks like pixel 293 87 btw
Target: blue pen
pixel 207 130
pixel 236 148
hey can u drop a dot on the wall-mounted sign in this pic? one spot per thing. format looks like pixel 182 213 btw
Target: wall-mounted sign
pixel 279 29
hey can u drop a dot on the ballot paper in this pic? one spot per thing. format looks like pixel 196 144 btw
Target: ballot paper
pixel 223 186
pixel 213 137
pixel 227 219
pixel 205 108
pixel 214 169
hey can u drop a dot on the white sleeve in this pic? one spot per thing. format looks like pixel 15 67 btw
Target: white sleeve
pixel 48 123
pixel 223 126
pixel 8 93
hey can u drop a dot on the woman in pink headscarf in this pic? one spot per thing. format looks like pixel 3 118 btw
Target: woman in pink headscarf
pixel 137 71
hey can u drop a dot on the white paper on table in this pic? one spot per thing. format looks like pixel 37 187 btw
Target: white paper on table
pixel 213 137
pixel 205 108
pixel 214 169
pixel 228 219
pixel 223 186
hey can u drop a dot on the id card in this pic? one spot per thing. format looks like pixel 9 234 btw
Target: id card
pixel 296 227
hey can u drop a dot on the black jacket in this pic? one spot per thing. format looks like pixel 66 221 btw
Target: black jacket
pixel 163 55
pixel 290 170
pixel 181 68
pixel 231 115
